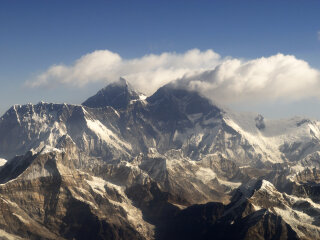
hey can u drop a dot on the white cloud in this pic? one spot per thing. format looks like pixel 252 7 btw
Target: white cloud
pixel 224 80
pixel 279 77
pixel 146 73
pixel 318 34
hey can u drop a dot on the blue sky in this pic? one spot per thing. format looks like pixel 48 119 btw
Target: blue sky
pixel 35 35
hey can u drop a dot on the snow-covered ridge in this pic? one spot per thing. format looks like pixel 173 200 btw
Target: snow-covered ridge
pixel 44 124
pixel 267 186
pixel 299 213
pixel 142 98
pixel 256 138
pixel 134 214
pixel 106 134
pixel 198 156
pixel 277 136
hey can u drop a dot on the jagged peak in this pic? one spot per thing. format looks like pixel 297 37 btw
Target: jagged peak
pixel 251 187
pixel 118 95
pixel 266 185
pixel 261 184
pixel 30 106
pixel 121 83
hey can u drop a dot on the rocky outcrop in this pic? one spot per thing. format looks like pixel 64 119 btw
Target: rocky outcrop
pixel 51 199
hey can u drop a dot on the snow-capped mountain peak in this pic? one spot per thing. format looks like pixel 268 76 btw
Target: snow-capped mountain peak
pixel 117 95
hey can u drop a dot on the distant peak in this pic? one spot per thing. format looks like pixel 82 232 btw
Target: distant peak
pixel 118 95
pixel 121 83
pixel 264 185
pixel 182 99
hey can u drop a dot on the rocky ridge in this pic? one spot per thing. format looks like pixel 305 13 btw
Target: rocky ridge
pixel 126 166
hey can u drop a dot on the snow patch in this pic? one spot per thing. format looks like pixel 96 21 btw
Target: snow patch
pixel 267 186
pixel 232 185
pixel 116 112
pixel 48 149
pixel 298 220
pixel 294 199
pixel 205 174
pixel 97 185
pixel 134 214
pixel 106 134
pixel 277 133
pixel 142 97
pixel 2 162
pixel 256 207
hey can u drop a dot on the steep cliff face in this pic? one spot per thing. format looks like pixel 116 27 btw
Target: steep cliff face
pixel 51 199
pixel 33 126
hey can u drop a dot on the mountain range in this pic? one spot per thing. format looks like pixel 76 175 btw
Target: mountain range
pixel 172 165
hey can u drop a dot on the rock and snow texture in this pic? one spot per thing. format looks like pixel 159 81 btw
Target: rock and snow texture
pixel 129 161
pixel 302 214
pixel 169 119
pixel 117 95
pixel 102 205
pixel 106 135
pixel 133 214
pixel 279 140
pixel 34 126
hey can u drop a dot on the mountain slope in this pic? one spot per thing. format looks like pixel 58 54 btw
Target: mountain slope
pixel 65 203
pixel 169 166
pixel 169 119
pixel 33 126
pixel 117 95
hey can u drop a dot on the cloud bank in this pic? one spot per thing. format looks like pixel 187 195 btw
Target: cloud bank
pixel 279 77
pixel 147 73
pixel 224 80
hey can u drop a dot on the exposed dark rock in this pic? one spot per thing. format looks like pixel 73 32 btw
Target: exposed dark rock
pixel 117 95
